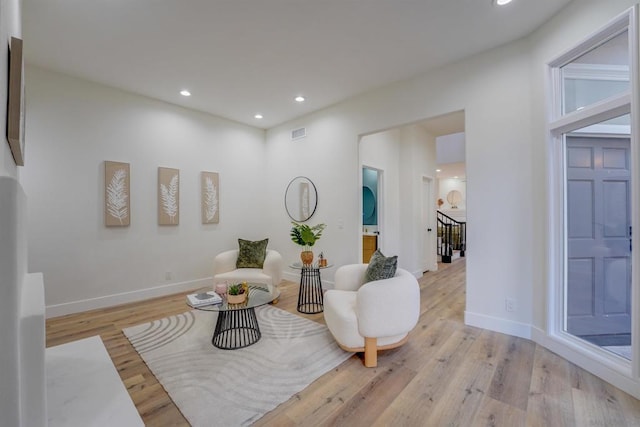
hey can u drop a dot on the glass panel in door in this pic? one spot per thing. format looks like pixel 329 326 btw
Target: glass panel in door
pixel 598 235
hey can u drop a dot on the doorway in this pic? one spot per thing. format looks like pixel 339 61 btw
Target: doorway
pixel 370 211
pixel 407 154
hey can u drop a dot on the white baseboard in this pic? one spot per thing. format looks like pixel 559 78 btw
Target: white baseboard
pixel 125 297
pixel 497 324
pixel 538 335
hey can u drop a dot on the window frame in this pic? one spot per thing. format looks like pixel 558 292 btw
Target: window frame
pixel 611 367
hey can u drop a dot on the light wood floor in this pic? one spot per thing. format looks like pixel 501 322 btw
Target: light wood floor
pixel 448 374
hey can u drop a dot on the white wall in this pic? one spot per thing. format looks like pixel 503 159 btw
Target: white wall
pixel 73 127
pixel 10 26
pixel 450 148
pixel 326 161
pixel 404 155
pixel 492 88
pixel 564 31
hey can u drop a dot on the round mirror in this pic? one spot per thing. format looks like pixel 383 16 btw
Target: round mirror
pixel 300 199
pixel 368 205
pixel 454 197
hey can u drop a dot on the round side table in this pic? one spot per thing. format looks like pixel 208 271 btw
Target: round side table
pixel 310 295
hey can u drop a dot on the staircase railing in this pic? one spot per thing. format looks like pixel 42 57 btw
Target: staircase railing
pixel 452 236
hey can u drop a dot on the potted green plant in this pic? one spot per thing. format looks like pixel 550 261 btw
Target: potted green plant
pixel 236 294
pixel 306 236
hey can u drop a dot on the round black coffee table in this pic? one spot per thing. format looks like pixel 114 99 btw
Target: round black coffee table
pixel 237 324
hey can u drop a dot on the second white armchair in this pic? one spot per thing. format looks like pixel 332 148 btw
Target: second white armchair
pixel 371 316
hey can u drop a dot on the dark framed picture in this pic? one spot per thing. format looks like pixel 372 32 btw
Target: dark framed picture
pixel 15 104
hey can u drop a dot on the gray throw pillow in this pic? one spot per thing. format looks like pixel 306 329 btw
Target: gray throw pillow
pixel 251 254
pixel 381 267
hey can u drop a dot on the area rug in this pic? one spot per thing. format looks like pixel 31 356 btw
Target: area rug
pixel 214 387
pixel 84 388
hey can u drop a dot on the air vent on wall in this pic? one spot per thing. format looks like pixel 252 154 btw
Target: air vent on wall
pixel 298 133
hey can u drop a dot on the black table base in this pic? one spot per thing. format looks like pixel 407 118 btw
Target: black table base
pixel 310 297
pixel 236 329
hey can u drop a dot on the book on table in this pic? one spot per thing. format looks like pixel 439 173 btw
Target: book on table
pixel 203 298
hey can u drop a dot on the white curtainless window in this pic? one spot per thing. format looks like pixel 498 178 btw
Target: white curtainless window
pixel 594 200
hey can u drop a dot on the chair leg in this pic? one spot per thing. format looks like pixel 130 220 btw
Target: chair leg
pixel 370 352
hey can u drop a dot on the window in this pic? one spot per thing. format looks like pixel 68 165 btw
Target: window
pixel 594 186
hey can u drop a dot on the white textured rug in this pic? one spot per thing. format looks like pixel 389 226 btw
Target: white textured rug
pixel 234 387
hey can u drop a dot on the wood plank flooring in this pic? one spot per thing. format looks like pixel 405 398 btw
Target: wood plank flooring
pixel 448 374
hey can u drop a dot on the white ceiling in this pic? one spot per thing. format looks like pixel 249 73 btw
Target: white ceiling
pixel 240 57
pixel 445 125
pixel 450 152
pixel 452 170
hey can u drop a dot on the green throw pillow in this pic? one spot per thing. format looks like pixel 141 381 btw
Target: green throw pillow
pixel 381 267
pixel 251 254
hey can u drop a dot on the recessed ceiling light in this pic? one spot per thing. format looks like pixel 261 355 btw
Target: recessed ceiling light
pixel 258 116
pixel 299 98
pixel 502 2
pixel 438 170
pixel 455 177
pixel 185 92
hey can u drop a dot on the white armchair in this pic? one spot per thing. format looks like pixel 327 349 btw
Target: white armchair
pixel 270 275
pixel 371 316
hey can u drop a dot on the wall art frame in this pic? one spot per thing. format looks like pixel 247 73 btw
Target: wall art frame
pixel 210 197
pixel 117 191
pixel 168 196
pixel 15 101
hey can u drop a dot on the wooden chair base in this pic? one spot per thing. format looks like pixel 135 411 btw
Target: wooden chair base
pixel 371 348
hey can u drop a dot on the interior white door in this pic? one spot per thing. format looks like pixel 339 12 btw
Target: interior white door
pixel 598 288
pixel 428 239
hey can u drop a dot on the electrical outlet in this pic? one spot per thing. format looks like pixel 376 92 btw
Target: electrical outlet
pixel 168 275
pixel 510 304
